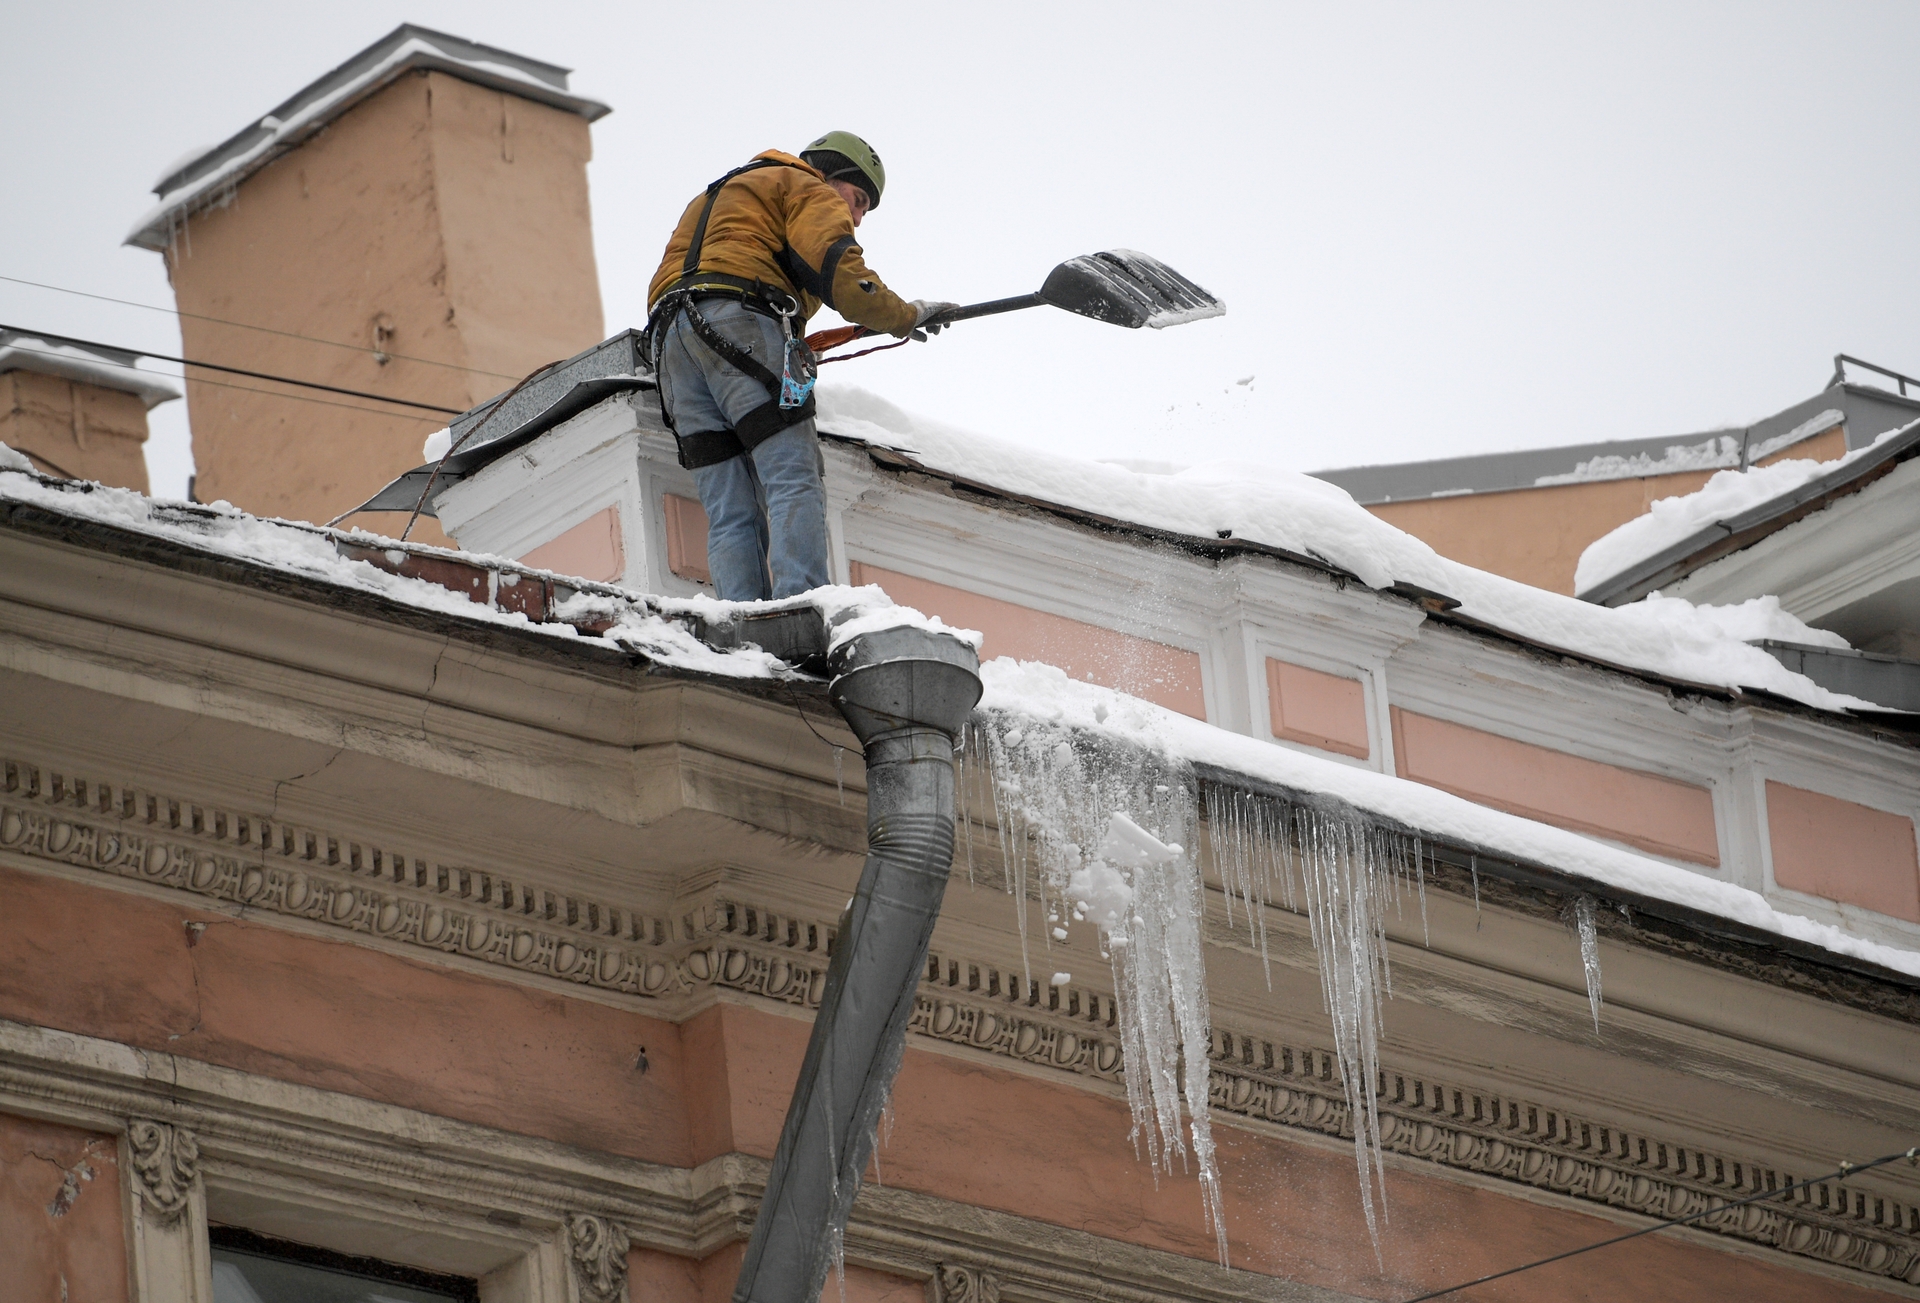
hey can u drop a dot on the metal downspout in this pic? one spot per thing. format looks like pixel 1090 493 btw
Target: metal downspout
pixel 906 693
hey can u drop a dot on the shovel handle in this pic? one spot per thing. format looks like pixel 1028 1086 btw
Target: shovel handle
pixel 988 309
pixel 822 340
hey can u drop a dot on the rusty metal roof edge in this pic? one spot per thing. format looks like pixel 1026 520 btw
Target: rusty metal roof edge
pixel 587 653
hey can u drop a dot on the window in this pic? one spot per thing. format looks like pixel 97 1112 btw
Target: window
pixel 251 1268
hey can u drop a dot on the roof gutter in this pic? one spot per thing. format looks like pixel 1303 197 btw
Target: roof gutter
pixel 906 693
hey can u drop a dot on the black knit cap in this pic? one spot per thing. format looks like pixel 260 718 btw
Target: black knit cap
pixel 836 166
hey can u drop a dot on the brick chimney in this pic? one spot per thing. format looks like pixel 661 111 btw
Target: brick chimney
pixel 77 410
pixel 423 208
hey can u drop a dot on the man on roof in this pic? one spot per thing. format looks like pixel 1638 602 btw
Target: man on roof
pixel 753 258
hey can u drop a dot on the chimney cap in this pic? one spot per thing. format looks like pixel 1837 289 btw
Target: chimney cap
pixel 200 179
pixel 108 368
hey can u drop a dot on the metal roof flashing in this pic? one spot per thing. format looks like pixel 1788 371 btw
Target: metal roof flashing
pixel 206 178
pixel 1722 537
pixel 488 432
pixel 1866 410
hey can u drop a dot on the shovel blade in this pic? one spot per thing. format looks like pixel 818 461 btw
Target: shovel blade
pixel 1128 289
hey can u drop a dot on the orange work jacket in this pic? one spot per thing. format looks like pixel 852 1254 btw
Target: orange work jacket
pixel 787 227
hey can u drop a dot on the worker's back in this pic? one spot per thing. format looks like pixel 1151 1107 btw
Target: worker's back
pixel 758 219
pixel 783 225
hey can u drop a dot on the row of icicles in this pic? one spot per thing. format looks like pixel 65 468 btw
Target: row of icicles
pixel 1104 832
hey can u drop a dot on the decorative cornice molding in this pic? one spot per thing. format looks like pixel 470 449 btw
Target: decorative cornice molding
pixel 597 1248
pixel 166 1163
pixel 389 1161
pixel 274 867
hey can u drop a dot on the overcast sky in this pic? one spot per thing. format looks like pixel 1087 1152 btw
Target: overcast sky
pixel 1438 228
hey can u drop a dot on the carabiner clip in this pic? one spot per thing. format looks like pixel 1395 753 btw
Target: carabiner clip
pixel 797 369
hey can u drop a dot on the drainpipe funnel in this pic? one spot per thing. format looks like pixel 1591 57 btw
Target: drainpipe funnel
pixel 906 693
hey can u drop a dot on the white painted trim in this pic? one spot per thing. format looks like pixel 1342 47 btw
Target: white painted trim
pixel 1826 561
pixel 564 477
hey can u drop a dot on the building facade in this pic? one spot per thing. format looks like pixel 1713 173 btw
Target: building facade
pixel 455 918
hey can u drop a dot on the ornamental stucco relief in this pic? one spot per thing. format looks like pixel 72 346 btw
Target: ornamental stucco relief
pixel 166 1163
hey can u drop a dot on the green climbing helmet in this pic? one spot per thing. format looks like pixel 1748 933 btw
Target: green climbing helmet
pixel 860 166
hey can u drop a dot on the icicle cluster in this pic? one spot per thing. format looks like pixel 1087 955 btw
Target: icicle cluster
pixel 1098 830
pixel 1351 874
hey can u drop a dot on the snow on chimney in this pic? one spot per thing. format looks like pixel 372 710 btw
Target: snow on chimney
pixel 77 410
pixel 415 225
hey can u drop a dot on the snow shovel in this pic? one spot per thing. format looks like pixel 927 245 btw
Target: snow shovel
pixel 1119 286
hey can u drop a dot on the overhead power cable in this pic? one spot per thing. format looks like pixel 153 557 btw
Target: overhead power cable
pixel 233 370
pixel 245 389
pixel 1845 1170
pixel 265 330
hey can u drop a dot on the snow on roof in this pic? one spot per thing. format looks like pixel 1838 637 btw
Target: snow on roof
pixel 1716 453
pixel 1047 693
pixel 1670 638
pixel 659 629
pixel 1702 517
pixel 1711 453
pixel 207 178
pixel 292 547
pixel 109 368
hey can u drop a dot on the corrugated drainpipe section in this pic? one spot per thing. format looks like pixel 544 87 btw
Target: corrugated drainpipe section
pixel 906 693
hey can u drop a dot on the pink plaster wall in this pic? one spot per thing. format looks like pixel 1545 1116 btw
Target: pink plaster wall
pixel 967 1131
pixel 1321 710
pixel 1825 846
pixel 1169 676
pixel 591 549
pixel 1645 810
pixel 686 526
pixel 656 1277
pixel 62 1233
pixel 467 1045
pixel 343 1017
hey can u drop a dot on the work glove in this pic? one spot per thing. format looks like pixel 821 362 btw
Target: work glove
pixel 924 308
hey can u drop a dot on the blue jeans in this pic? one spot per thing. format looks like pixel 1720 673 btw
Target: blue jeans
pixel 768 509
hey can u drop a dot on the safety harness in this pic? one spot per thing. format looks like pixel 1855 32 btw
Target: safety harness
pixel 789 394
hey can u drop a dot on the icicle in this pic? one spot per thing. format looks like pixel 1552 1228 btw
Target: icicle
pixel 839 777
pixel 1580 915
pixel 1353 874
pixel 1104 828
pixel 883 1133
pixel 1473 867
pixel 1420 871
pixel 966 760
pixel 1347 888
